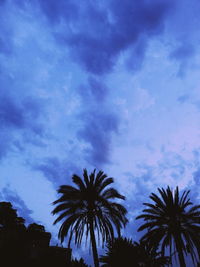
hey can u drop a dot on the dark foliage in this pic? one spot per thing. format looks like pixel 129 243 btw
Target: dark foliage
pixel 9 218
pixel 172 221
pixel 21 246
pixel 78 263
pixel 125 252
pixel 89 208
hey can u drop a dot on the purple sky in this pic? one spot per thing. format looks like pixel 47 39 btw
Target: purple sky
pixel 112 85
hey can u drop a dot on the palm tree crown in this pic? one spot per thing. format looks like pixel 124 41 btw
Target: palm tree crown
pixel 89 208
pixel 172 221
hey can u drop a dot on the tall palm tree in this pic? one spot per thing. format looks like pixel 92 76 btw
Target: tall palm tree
pixel 172 221
pixel 89 208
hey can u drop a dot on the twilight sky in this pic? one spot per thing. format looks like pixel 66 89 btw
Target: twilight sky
pixel 106 84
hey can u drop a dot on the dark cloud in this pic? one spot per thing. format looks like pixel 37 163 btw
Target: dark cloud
pixel 182 30
pixel 20 117
pixel 18 204
pixel 55 11
pixel 136 55
pixel 51 168
pixel 55 170
pixel 97 51
pixel 98 122
pixel 20 113
pixel 98 89
pixel 97 132
pixel 11 115
pixel 94 92
pixel 99 33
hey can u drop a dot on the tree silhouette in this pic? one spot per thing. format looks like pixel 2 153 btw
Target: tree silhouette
pixel 78 263
pixel 35 227
pixel 120 252
pixel 9 217
pixel 12 235
pixel 125 252
pixel 89 209
pixel 172 221
pixel 29 246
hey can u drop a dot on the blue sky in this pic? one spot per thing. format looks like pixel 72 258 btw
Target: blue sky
pixel 112 85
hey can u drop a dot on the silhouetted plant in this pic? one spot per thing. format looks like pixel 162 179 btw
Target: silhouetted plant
pixel 21 246
pixel 78 263
pixel 38 236
pixel 12 235
pixel 150 256
pixel 89 209
pixel 172 221
pixel 36 227
pixel 9 217
pixel 125 252
pixel 119 253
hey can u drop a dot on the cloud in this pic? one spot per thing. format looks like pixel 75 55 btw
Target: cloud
pixel 98 33
pixel 182 35
pixel 142 99
pixel 21 109
pixel 98 89
pixel 6 31
pixel 135 56
pixel 97 131
pixel 20 115
pixel 56 11
pixel 19 122
pixel 55 170
pixel 184 54
pixel 11 196
pixel 196 176
pixel 98 122
pixel 89 145
pixel 38 48
pixel 32 87
pixel 11 115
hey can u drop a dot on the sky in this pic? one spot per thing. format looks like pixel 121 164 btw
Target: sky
pixel 111 85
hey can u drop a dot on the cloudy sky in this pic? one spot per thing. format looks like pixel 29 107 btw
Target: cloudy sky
pixel 105 84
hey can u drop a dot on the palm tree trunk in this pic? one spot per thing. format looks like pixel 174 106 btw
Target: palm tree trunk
pixel 94 246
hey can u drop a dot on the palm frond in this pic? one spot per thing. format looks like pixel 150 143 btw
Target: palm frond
pixel 89 202
pixel 171 222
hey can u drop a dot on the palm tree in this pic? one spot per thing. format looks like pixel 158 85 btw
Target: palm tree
pixel 172 221
pixel 89 209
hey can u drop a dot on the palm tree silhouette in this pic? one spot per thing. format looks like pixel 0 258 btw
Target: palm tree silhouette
pixel 172 221
pixel 89 209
